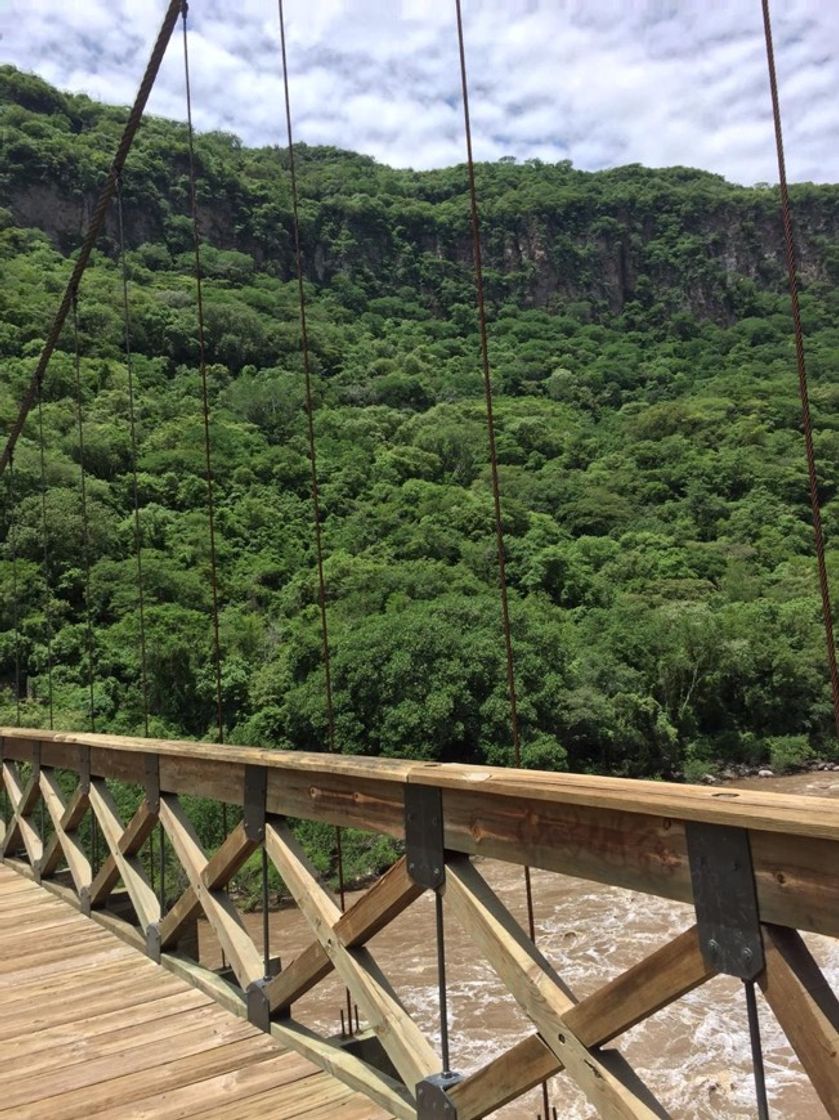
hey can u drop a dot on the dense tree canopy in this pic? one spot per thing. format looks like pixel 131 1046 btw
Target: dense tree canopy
pixel 663 594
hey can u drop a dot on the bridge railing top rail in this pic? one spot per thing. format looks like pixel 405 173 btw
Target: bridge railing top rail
pixel 791 814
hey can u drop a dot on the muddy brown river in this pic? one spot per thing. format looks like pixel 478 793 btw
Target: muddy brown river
pixel 694 1055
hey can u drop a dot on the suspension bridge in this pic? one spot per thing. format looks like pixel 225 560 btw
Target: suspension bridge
pixel 107 1009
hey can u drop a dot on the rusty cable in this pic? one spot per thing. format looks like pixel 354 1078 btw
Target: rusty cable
pixel 493 458
pixel 94 228
pixel 806 420
pixel 315 492
pixel 45 543
pixel 202 363
pixel 11 539
pixel 132 426
pixel 86 551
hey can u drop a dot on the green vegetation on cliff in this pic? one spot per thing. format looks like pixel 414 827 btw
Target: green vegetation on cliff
pixel 664 597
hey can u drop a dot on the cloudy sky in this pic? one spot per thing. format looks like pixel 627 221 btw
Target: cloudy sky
pixel 599 82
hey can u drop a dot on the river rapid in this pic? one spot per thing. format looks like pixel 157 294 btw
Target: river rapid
pixel 694 1055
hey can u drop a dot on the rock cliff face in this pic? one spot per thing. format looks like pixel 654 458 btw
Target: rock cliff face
pixel 552 236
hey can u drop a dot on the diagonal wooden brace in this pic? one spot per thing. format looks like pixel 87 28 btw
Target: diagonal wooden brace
pixel 122 843
pixel 64 836
pixel 23 801
pixel 220 911
pixel 605 1078
pixel 385 900
pixel 404 1043
pixel 219 870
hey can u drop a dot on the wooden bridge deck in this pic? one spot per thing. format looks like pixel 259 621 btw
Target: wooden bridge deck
pixel 91 1028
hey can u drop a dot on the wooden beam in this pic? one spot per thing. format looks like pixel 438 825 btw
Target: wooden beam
pixel 402 1040
pixel 666 975
pixel 23 801
pixel 645 988
pixel 522 1067
pixel 70 821
pixel 608 830
pixel 77 861
pixel 129 868
pixel 806 1008
pixel 608 1083
pixel 220 911
pixel 219 870
pixel 131 839
pixel 376 908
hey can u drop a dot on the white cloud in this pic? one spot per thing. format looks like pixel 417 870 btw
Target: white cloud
pixel 600 82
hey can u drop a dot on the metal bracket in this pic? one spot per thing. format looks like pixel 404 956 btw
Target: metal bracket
pixel 84 901
pixel 84 769
pixel 153 942
pixel 424 849
pixel 256 786
pixel 151 764
pixel 259 1010
pixel 36 760
pixel 725 898
pixel 433 1101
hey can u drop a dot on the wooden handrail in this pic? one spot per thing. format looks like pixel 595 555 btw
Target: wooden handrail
pixel 791 814
pixel 617 831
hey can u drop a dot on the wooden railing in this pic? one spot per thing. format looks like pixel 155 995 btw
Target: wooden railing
pixel 758 867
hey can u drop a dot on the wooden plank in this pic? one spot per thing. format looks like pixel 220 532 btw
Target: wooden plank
pixel 130 869
pixel 806 1008
pixel 221 913
pixel 126 1087
pixel 605 1079
pixel 152 1008
pixel 77 861
pixel 795 814
pixel 369 914
pixel 303 1098
pixel 65 1081
pixel 402 1040
pixel 228 1087
pixel 71 819
pixel 374 1086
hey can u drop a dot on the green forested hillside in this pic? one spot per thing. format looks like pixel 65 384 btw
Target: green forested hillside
pixel 664 595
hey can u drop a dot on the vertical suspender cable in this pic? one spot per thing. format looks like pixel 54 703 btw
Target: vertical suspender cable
pixel 202 363
pixel 493 457
pixel 135 495
pixel 132 424
pixel 205 399
pixel 316 515
pixel 11 538
pixel 77 363
pixel 45 541
pixel 806 422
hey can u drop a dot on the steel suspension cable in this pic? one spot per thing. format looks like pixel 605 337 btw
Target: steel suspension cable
pixel 86 551
pixel 806 421
pixel 97 221
pixel 202 364
pixel 132 427
pixel 512 694
pixel 45 549
pixel 310 421
pixel 11 538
